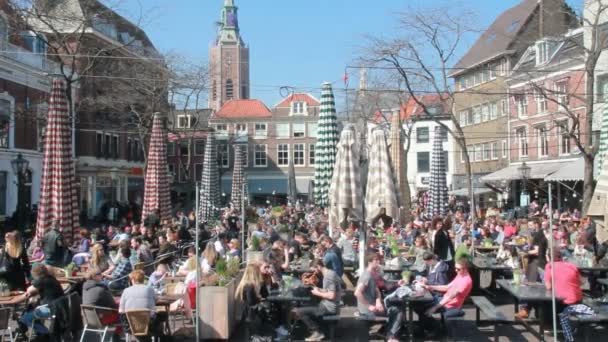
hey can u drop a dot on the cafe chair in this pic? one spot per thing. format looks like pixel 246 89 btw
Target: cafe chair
pixel 47 321
pixel 178 288
pixel 5 329
pixel 92 316
pixel 139 323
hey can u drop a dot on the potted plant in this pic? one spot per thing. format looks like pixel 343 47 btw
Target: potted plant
pixel 219 311
pixel 284 231
pixel 254 253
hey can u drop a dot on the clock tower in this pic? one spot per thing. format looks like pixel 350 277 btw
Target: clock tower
pixel 228 61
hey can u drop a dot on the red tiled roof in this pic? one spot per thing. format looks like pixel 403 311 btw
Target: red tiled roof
pixel 243 109
pixel 412 108
pixel 310 101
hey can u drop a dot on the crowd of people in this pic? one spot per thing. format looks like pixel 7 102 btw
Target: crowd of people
pixel 135 259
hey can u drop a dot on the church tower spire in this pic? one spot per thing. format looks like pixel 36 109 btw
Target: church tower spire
pixel 228 60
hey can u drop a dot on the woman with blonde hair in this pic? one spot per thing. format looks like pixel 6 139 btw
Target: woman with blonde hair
pixel 208 258
pixel 251 291
pixel 15 262
pixel 100 260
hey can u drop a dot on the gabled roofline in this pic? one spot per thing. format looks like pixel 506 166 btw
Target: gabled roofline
pixel 462 71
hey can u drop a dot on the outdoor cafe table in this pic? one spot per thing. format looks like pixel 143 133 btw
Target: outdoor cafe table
pixel 531 293
pixel 424 297
pixel 164 301
pixel 487 264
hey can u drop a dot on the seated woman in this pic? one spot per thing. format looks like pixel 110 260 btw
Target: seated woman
pixel 251 291
pixel 81 251
pixel 208 258
pixel 156 280
pixel 190 264
pixel 139 296
pixel 46 286
pixel 234 249
pixel 37 255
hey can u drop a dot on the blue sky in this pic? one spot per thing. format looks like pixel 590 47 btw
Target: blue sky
pixel 292 43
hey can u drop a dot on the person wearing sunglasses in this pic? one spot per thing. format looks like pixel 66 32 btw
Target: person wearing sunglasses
pixel 454 295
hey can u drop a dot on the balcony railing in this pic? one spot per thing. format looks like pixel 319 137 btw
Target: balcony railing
pixel 29 58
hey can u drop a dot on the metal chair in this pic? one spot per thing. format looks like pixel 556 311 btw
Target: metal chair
pixel 92 316
pixel 139 323
pixel 5 314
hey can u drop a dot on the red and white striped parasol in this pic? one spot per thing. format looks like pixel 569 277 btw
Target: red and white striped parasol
pixel 157 194
pixel 59 189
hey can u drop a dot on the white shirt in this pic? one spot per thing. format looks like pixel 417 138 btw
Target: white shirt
pixel 219 247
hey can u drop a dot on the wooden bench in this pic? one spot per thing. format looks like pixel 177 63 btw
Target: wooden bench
pixel 482 304
pixel 332 321
pixel 348 277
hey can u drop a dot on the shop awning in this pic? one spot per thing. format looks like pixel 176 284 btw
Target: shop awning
pixel 573 171
pixel 465 191
pixel 537 171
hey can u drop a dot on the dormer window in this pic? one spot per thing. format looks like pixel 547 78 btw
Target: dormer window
pixel 299 108
pixel 542 52
pixel 185 121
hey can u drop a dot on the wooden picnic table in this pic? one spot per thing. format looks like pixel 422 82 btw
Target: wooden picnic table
pixel 489 264
pixel 531 293
pixel 423 297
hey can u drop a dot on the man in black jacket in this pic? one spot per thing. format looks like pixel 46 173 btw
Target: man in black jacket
pixel 443 247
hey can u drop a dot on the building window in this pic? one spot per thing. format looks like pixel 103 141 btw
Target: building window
pixel 184 121
pixel 223 156
pixel 260 159
pixel 422 135
pixel 485 112
pixel 521 101
pixel 298 108
pixel 542 52
pixel 261 130
pixel 495 150
pixel 602 86
pixel 463 155
pixel 312 130
pixel 240 131
pixel 298 154
pixel 543 141
pixel 282 130
pixel 170 147
pixel 138 153
pixel 221 129
pixel 505 149
pixel 477 114
pixel 493 110
pixel 463 118
pixel 470 117
pixel 184 148
pixel 311 155
pixel 283 154
pixel 99 144
pixel 561 93
pixel 299 130
pixel 423 162
pixel 199 147
pixel 115 146
pixel 487 154
pixel 229 89
pixel 198 172
pixel 541 102
pixel 107 145
pixel 564 138
pixel 522 138
pixel 214 90
pixel 478 152
pixel 504 107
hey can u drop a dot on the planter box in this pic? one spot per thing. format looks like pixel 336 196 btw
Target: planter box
pixel 254 257
pixel 219 310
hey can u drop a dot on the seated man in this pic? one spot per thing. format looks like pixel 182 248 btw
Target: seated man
pixel 139 296
pixel 568 287
pixel 369 298
pixel 96 293
pixel 48 288
pixel 454 295
pixel 119 280
pixel 330 296
pixel 437 270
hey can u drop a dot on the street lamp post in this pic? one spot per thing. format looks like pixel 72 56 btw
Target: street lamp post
pixel 20 166
pixel 524 170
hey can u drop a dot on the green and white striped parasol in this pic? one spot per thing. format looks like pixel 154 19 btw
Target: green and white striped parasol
pixel 325 147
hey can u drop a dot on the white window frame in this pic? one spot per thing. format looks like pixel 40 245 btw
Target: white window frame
pixel 505 149
pixel 298 108
pixel 303 151
pixel 522 142
pixel 542 140
pixel 561 95
pixel 227 156
pixel 477 115
pixel 279 151
pixel 259 133
pixel 521 102
pixel 179 124
pixel 485 112
pixel 462 154
pixel 494 150
pixel 504 107
pixel 255 155
pixel 560 134
pixel 463 118
pixel 285 124
pixel 221 130
pixel 302 131
pixel 542 52
pixel 312 158
pixel 487 152
pixel 312 128
pixel 541 102
pixel 478 153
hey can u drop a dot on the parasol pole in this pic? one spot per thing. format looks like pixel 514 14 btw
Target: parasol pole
pixel 197 253
pixel 551 247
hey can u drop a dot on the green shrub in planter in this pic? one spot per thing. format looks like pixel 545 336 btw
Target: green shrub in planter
pixel 255 244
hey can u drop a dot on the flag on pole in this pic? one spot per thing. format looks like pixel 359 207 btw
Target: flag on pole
pixel 345 77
